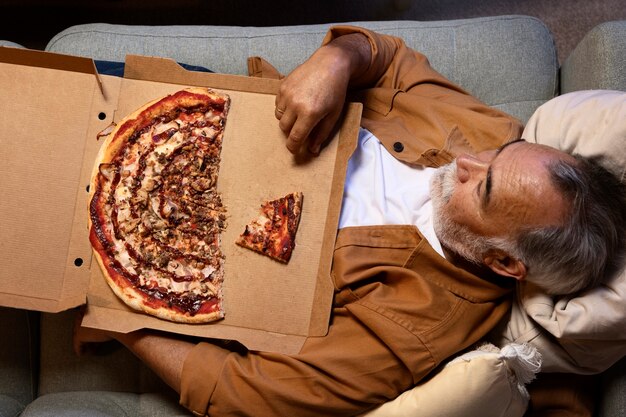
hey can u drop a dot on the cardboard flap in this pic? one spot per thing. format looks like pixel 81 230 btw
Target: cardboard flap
pixel 46 114
pixel 120 321
pixel 166 70
pixel 347 142
pixel 34 58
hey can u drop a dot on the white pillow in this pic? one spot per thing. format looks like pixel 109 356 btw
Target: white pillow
pixel 590 329
pixel 591 123
pixel 487 382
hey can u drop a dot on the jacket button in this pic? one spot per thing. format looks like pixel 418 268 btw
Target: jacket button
pixel 398 147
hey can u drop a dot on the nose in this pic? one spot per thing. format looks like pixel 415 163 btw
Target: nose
pixel 468 165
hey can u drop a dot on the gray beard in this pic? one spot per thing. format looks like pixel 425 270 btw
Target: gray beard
pixel 452 235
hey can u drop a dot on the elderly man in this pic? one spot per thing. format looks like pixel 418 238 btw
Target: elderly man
pixel 444 208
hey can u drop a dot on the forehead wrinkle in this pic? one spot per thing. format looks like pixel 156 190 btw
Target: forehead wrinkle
pixel 509 182
pixel 521 180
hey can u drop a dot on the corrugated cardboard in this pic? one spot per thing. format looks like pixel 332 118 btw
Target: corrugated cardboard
pixel 52 110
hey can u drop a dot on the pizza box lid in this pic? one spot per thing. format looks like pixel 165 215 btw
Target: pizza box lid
pixel 52 110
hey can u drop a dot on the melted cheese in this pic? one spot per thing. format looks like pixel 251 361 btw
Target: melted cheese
pixel 162 148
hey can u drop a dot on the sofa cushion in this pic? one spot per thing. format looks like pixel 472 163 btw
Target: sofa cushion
pixel 9 406
pixel 590 123
pixel 105 404
pixel 478 53
pixel 111 368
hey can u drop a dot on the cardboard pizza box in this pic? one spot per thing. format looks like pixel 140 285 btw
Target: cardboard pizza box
pixel 52 109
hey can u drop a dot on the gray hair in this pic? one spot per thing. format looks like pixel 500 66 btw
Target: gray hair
pixel 591 243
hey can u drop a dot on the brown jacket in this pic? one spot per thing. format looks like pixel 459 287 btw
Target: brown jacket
pixel 400 309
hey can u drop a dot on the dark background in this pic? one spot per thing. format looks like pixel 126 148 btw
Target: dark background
pixel 32 23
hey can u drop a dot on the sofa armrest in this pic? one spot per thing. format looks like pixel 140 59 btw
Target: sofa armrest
pixel 598 61
pixel 11 44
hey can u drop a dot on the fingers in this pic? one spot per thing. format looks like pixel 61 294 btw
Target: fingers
pixel 298 129
pixel 307 129
pixel 307 106
pixel 322 133
pixel 297 124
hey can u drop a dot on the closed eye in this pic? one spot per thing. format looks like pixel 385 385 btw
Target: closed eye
pixel 487 192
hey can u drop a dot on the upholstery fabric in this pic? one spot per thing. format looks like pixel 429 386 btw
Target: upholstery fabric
pixel 18 358
pixel 104 404
pixel 9 406
pixel 110 368
pixel 10 44
pixel 466 51
pixel 590 123
pixel 598 61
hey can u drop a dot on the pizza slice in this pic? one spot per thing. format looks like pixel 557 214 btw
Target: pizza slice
pixel 273 232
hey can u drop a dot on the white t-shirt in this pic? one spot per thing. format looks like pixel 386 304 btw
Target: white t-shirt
pixel 380 190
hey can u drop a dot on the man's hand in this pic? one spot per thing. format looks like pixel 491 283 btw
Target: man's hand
pixel 311 98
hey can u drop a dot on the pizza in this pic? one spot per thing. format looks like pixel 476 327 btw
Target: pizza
pixel 273 232
pixel 155 215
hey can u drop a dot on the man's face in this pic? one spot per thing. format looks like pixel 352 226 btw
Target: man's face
pixel 493 195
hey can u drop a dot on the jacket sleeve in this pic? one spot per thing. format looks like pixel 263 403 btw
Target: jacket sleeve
pixel 383 51
pixel 343 373
pixel 392 64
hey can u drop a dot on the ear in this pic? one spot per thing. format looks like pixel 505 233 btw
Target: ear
pixel 502 264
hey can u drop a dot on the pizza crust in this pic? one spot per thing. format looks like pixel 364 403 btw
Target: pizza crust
pixel 135 300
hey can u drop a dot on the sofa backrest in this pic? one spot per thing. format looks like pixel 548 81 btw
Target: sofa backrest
pixel 509 62
pixel 598 61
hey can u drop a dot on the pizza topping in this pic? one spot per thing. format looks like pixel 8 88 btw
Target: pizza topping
pixel 106 131
pixel 108 171
pixel 273 232
pixel 156 211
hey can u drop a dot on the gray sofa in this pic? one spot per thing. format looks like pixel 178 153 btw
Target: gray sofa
pixel 510 62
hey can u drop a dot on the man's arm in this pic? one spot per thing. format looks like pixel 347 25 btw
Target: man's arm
pixel 163 354
pixel 311 98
